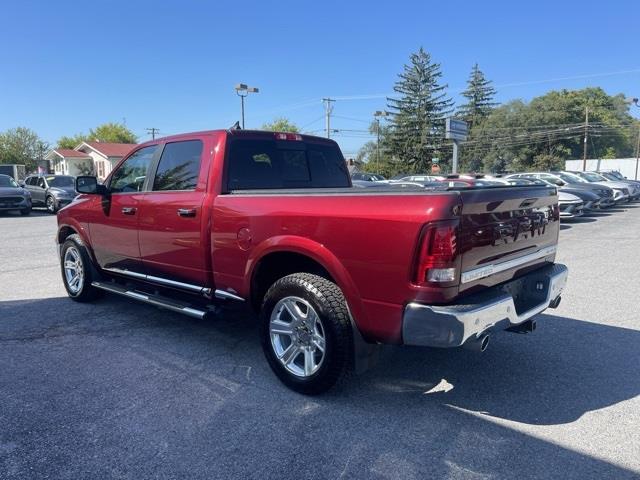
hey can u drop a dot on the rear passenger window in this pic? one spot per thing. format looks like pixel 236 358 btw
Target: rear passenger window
pixel 269 164
pixel 179 166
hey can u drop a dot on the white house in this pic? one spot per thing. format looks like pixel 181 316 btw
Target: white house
pixel 96 157
pixel 69 162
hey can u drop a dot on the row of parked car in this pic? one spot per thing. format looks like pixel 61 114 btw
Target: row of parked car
pixel 578 192
pixel 49 191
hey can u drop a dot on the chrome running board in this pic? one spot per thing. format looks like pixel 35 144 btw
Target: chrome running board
pixel 156 300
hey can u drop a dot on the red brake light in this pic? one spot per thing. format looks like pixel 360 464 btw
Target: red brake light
pixel 437 254
pixel 288 136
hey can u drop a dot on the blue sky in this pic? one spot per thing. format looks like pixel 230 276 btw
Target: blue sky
pixel 68 66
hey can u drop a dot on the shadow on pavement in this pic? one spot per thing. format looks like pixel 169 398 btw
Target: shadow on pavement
pixel 88 388
pixel 34 213
pixel 577 220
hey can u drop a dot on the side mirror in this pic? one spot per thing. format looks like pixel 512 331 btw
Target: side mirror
pixel 90 185
pixel 559 182
pixel 21 183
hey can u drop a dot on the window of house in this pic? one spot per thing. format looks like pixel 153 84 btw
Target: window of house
pixel 179 166
pixel 130 176
pixel 100 169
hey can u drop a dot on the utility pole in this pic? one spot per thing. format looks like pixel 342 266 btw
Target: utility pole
pixel 637 152
pixel 377 116
pixel 328 109
pixel 586 134
pixel 152 131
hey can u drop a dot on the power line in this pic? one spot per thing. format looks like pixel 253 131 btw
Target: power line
pixel 152 131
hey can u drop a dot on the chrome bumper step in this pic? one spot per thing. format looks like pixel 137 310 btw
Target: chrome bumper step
pixel 157 300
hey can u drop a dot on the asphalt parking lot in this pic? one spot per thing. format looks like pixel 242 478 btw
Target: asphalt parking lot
pixel 118 389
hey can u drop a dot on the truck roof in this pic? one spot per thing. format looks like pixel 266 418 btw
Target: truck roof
pixel 252 134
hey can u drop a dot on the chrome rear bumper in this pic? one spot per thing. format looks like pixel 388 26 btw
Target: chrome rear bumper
pixel 496 308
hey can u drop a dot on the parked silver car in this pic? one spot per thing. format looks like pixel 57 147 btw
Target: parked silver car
pixel 51 191
pixel 566 181
pixel 623 191
pixel 570 206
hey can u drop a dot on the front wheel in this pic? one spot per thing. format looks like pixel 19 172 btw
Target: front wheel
pixel 51 205
pixel 77 270
pixel 25 211
pixel 306 332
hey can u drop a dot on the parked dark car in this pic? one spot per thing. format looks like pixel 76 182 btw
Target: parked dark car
pixel 51 191
pixel 13 196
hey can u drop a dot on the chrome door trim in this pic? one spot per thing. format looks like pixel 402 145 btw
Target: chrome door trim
pixel 228 296
pixel 205 291
pixel 487 270
pixel 160 280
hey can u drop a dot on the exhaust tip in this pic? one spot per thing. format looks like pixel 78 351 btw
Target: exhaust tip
pixel 484 343
pixel 555 302
pixel 478 344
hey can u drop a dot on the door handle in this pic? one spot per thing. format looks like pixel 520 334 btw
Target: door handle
pixel 129 210
pixel 187 212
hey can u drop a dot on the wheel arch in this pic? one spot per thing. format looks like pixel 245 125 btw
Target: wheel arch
pixel 292 254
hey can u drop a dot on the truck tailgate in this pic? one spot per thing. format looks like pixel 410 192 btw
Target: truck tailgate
pixel 505 232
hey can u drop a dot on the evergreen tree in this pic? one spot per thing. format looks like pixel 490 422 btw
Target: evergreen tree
pixel 416 132
pixel 479 95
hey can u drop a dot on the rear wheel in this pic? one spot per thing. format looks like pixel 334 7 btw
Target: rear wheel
pixel 51 205
pixel 306 333
pixel 77 270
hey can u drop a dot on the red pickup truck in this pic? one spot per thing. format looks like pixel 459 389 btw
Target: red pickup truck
pixel 271 219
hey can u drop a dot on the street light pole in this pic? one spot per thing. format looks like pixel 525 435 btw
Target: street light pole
pixel 377 114
pixel 634 101
pixel 242 90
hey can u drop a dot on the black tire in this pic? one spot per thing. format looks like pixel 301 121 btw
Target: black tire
pixel 25 211
pixel 51 204
pixel 86 292
pixel 327 300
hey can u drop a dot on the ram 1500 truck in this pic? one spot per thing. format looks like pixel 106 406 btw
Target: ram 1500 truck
pixel 272 219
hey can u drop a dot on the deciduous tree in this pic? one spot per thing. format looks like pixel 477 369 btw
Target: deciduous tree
pixel 23 146
pixel 111 132
pixel 281 125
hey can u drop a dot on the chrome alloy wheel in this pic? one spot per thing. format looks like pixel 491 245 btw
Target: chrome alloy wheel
pixel 73 270
pixel 297 336
pixel 51 205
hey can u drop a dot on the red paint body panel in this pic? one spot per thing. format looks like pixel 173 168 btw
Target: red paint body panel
pixel 366 240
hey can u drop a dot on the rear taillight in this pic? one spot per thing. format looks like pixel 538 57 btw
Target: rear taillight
pixel 437 254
